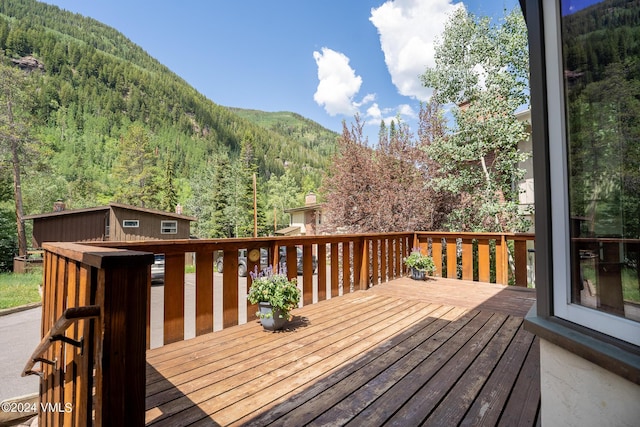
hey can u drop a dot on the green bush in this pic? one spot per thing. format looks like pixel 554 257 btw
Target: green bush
pixel 8 238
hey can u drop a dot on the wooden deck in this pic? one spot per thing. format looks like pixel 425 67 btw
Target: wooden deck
pixel 406 353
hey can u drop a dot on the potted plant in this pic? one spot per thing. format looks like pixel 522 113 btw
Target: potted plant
pixel 420 265
pixel 275 295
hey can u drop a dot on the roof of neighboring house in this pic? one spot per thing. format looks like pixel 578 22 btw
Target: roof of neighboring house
pixel 108 207
pixel 288 230
pixel 312 207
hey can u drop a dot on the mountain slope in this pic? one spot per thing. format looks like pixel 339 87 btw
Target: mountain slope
pixel 96 83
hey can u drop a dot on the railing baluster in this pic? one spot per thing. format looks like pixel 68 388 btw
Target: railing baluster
pixel 335 270
pixel 69 350
pixel 452 258
pixel 307 275
pixel 483 260
pixel 398 257
pixel 467 259
pixel 436 254
pixel 384 261
pixel 322 271
pixel 204 292
pixel 173 297
pixel 230 288
pixel 375 265
pixel 86 327
pixel 346 267
pixel 520 262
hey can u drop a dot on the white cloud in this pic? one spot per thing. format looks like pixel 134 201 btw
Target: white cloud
pixel 408 29
pixel 338 83
pixel 375 114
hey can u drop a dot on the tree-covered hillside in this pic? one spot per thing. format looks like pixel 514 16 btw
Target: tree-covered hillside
pixel 94 100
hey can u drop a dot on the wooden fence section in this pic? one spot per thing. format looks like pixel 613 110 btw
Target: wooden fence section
pixel 345 263
pixel 80 283
pixel 484 257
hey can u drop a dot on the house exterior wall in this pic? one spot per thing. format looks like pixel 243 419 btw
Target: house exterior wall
pixel 83 227
pixel 576 392
pixel 148 229
pixel 306 220
pixel 298 220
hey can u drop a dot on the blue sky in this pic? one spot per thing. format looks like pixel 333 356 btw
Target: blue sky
pixel 326 60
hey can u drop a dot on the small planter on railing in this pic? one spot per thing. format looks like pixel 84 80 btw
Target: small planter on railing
pixel 421 265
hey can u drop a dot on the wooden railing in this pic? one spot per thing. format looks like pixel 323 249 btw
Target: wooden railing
pixel 345 263
pixel 104 380
pixel 484 257
pixel 92 371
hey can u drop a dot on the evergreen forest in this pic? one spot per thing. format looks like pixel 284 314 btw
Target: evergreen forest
pixel 104 121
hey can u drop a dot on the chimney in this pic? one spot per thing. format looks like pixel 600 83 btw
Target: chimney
pixel 58 205
pixel 179 209
pixel 310 199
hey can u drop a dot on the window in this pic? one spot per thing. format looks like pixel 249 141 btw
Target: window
pixel 131 223
pixel 594 159
pixel 169 227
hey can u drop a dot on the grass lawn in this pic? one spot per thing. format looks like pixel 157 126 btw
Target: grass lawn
pixel 19 289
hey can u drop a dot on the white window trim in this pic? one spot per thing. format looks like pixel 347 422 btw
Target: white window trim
pixel 162 227
pixel 125 221
pixel 618 327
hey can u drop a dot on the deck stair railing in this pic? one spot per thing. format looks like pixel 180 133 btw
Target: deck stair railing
pixel 99 367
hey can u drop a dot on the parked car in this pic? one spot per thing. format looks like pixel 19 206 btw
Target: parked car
pixel 157 269
pixel 265 261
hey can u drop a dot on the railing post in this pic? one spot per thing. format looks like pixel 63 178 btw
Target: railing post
pixel 120 371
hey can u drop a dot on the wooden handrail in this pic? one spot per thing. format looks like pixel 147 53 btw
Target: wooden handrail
pixel 69 316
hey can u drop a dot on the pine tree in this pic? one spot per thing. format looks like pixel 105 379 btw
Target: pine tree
pixel 169 198
pixel 135 172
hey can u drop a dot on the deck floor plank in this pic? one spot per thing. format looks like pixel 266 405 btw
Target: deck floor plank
pixel 527 389
pixel 455 405
pixel 329 391
pixel 488 405
pixel 402 353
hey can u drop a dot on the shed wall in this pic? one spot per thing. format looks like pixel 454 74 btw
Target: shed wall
pixel 148 229
pixel 84 227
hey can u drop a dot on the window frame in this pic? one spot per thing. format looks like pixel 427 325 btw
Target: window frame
pixel 125 225
pixel 560 276
pixel 163 226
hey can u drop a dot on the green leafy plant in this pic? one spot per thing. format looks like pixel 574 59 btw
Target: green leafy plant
pixel 420 262
pixel 276 289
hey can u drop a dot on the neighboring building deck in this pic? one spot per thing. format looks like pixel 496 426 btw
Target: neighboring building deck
pixel 406 353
